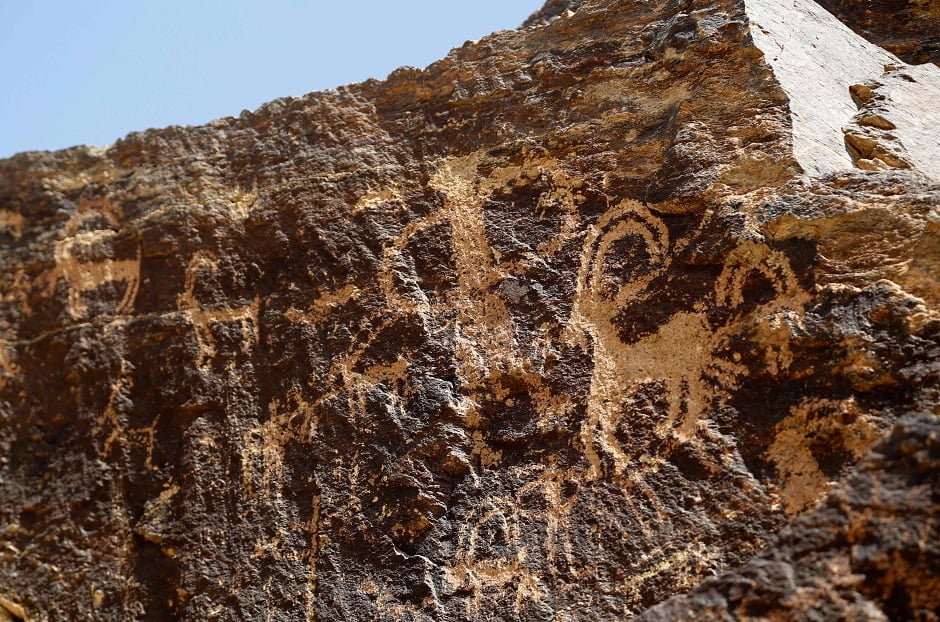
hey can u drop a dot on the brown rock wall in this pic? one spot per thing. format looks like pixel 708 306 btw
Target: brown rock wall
pixel 554 329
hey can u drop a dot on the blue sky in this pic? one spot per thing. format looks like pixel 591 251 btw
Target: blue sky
pixel 90 71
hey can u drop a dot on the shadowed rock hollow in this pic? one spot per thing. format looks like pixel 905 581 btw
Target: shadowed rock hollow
pixel 632 311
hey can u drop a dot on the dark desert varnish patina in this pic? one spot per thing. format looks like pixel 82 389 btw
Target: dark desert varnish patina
pixel 556 328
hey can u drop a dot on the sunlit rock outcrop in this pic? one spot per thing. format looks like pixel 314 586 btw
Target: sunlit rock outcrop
pixel 631 311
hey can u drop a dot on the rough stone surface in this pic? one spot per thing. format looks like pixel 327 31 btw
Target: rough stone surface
pixel 553 9
pixel 565 326
pixel 868 552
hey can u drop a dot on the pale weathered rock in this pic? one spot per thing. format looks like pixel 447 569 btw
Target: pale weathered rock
pixel 822 65
pixel 573 324
pixel 908 28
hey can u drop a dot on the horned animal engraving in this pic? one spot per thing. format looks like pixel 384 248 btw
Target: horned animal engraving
pixel 83 277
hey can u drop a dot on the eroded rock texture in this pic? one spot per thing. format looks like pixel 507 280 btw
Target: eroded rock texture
pixel 559 328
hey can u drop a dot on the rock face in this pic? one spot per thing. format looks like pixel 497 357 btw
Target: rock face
pixel 908 28
pixel 603 317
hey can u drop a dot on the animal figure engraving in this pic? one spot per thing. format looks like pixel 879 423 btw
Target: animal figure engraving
pixel 203 319
pixel 11 222
pixel 669 376
pixel 503 539
pixel 623 253
pixel 84 277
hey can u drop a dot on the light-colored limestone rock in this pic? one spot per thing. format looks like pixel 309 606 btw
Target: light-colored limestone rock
pixel 818 60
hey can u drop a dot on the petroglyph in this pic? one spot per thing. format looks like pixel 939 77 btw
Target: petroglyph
pixel 528 529
pixel 11 222
pixel 388 607
pixel 203 319
pixel 658 564
pixel 815 424
pixel 83 277
pixel 623 254
pixel 780 312
pixel 489 327
pixel 748 259
pixel 553 329
pixel 319 310
pixel 294 419
pixel 109 422
pixel 602 290
pixel 7 368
